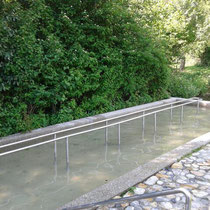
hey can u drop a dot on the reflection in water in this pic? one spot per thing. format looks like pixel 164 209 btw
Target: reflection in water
pixel 181 129
pixel 182 114
pixel 67 159
pixel 154 138
pixel 143 121
pixel 40 178
pixel 118 156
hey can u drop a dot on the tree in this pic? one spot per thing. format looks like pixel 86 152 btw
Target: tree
pixel 181 24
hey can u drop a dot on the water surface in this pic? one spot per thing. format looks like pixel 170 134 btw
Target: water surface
pixel 32 179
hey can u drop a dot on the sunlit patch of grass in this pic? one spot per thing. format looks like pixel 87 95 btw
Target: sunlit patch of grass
pixel 199 73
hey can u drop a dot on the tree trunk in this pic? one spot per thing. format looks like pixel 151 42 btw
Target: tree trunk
pixel 182 63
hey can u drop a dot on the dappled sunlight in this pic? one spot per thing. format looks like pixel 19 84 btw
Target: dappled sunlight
pixel 76 178
pixel 4 196
pixel 34 173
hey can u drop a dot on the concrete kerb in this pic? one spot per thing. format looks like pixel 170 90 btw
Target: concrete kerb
pixel 202 103
pixel 124 182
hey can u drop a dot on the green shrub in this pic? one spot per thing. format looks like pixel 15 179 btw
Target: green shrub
pixel 186 86
pixel 62 60
pixel 205 57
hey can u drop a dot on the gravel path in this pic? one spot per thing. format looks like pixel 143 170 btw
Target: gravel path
pixel 191 173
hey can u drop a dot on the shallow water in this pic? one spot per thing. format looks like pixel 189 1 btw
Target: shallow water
pixel 32 179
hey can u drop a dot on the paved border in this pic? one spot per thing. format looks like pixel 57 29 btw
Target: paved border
pixel 122 183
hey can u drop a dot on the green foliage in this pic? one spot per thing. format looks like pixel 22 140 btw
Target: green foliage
pixel 192 82
pixel 182 87
pixel 63 60
pixel 14 119
pixel 205 57
pixel 129 190
pixel 182 25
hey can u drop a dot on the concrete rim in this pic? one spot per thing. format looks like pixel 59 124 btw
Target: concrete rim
pixel 71 124
pixel 122 183
pixel 58 127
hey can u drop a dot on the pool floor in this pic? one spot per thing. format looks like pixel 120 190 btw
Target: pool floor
pixel 32 179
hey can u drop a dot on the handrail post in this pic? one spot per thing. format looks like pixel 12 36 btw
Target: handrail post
pixel 143 125
pixel 143 120
pixel 55 148
pixel 182 113
pixel 106 132
pixel 106 151
pixel 198 106
pixel 55 158
pixel 119 133
pixel 155 119
pixel 154 138
pixel 171 111
pixel 67 153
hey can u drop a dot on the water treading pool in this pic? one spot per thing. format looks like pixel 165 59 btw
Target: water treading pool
pixel 34 179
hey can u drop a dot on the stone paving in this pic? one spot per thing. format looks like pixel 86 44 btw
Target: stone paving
pixel 191 173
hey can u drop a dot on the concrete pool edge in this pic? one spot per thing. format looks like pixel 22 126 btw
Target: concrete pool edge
pixel 58 127
pixel 122 183
pixel 202 103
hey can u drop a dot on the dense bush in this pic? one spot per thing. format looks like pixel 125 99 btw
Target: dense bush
pixel 62 60
pixel 205 57
pixel 186 85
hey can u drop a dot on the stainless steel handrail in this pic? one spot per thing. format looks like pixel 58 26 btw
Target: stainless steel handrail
pixel 82 132
pixel 97 122
pixel 136 197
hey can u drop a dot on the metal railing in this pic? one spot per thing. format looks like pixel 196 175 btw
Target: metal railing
pixel 136 197
pixel 106 126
